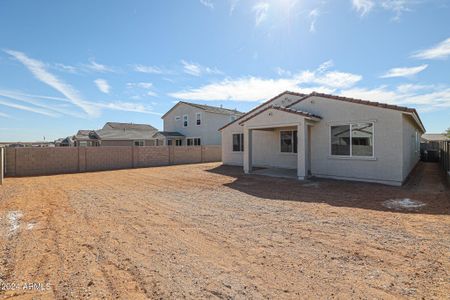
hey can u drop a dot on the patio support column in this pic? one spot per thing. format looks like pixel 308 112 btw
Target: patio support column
pixel 302 146
pixel 248 150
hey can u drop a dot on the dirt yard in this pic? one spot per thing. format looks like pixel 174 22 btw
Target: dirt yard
pixel 208 231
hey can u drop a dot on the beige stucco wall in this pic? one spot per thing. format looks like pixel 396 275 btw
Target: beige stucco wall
pixel 411 151
pixel 236 158
pixel 392 159
pixel 207 131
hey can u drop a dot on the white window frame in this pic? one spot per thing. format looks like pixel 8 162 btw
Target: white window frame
pixel 176 142
pixel 351 156
pixel 293 140
pixel 186 119
pixel 241 150
pixel 198 116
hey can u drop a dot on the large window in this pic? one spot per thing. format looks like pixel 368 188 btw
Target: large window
pixel 193 142
pixel 238 142
pixel 178 142
pixel 352 140
pixel 288 141
pixel 185 121
pixel 198 118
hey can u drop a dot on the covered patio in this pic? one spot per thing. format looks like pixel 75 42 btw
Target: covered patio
pixel 278 140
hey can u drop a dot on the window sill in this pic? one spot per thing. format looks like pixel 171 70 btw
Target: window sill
pixel 288 153
pixel 352 157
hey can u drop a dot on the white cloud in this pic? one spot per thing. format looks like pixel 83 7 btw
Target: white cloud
pixel 102 85
pixel 3 115
pixel 397 6
pixel 147 86
pixel 143 85
pixel 404 72
pixel 28 108
pixel 233 4
pixel 255 88
pixel 148 69
pixel 260 9
pixel 128 106
pixel 37 68
pixel 325 66
pixel 66 68
pixel 424 98
pixel 363 6
pixel 195 69
pixel 283 72
pixel 313 15
pixel 439 51
pixel 191 68
pixel 97 67
pixel 207 3
pixel 60 108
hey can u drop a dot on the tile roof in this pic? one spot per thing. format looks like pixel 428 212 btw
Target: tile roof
pixel 169 133
pixel 262 104
pixel 281 108
pixel 127 126
pixel 435 137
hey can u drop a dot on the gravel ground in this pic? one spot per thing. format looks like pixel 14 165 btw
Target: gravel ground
pixel 208 231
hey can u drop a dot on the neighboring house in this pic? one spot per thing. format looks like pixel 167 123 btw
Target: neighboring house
pixel 64 142
pixel 193 124
pixel 434 137
pixel 127 134
pixel 430 144
pixel 117 134
pixel 86 138
pixel 326 136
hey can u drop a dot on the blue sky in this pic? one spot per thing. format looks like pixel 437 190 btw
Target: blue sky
pixel 69 65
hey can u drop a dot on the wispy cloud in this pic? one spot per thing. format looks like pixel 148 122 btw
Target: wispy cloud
pixel 102 85
pixel 38 69
pixel 149 69
pixel 147 86
pixel 397 6
pixel 3 115
pixel 439 51
pixel 196 69
pixel 404 72
pixel 207 3
pixel 128 106
pixel 260 9
pixel 363 6
pixel 253 88
pixel 425 98
pixel 313 15
pixel 233 4
pixel 41 102
pixel 28 108
pixel 97 67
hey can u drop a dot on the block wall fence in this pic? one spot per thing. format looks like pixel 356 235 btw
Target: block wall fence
pixel 59 160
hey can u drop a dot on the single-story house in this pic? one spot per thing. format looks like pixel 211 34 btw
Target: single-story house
pixel 326 136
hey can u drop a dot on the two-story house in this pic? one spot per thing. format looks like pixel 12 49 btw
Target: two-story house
pixel 191 124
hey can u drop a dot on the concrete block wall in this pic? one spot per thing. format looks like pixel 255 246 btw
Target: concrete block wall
pixel 211 153
pixel 2 164
pixel 108 158
pixel 187 155
pixel 46 161
pixel 151 156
